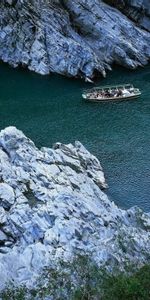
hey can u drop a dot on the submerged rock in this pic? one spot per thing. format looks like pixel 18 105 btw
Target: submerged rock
pixel 52 207
pixel 74 38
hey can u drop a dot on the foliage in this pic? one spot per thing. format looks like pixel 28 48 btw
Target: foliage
pixel 84 280
pixel 12 293
pixel 123 287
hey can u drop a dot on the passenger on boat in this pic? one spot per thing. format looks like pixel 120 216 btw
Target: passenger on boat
pixel 119 93
pixel 126 93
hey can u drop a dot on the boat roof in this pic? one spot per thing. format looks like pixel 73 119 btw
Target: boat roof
pixel 127 85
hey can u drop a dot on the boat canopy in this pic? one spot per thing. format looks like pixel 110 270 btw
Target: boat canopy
pixel 109 87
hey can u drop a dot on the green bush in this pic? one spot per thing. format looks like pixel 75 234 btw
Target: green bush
pixel 83 280
pixel 119 286
pixel 12 293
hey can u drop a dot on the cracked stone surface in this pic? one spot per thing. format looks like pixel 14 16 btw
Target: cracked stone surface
pixel 75 38
pixel 53 206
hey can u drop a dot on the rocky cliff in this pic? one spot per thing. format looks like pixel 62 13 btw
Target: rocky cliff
pixel 52 206
pixel 74 38
pixel 138 11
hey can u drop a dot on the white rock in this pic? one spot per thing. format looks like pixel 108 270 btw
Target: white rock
pixel 3 236
pixel 3 216
pixel 50 42
pixel 53 206
pixel 7 196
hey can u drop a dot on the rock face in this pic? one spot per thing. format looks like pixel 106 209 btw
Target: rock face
pixel 74 38
pixel 138 11
pixel 52 206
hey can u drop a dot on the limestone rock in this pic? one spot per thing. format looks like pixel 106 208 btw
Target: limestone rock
pixel 139 11
pixel 74 38
pixel 7 196
pixel 52 206
pixel 3 216
pixel 3 237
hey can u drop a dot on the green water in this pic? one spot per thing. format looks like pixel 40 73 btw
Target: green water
pixel 50 109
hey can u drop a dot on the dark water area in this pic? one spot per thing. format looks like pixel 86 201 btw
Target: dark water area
pixel 50 109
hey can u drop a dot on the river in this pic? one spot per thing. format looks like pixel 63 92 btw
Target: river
pixel 50 109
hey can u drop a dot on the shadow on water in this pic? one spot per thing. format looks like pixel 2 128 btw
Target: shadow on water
pixel 50 109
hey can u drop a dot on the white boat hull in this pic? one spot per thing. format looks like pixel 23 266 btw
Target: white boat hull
pixel 111 99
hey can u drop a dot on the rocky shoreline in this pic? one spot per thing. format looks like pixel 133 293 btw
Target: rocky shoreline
pixel 52 207
pixel 74 38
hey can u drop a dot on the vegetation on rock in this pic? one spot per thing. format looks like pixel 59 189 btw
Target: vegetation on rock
pixel 84 280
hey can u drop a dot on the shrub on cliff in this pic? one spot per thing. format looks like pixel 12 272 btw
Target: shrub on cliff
pixel 83 280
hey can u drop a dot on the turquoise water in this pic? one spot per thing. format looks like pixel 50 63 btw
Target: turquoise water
pixel 50 109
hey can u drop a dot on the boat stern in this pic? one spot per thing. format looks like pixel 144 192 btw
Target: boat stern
pixel 84 96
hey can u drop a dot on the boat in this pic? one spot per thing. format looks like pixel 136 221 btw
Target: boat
pixel 111 93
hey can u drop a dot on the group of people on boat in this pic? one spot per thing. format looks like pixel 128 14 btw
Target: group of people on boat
pixel 120 92
pixel 111 93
